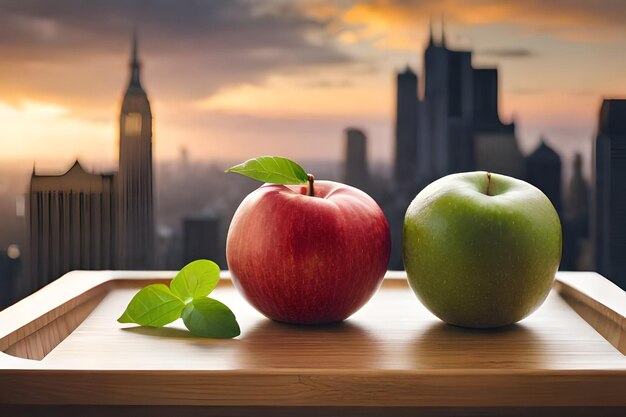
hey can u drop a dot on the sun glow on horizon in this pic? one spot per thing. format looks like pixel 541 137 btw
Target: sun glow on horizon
pixel 45 131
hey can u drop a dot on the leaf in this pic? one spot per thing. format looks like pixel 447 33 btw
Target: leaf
pixel 154 305
pixel 196 280
pixel 272 169
pixel 207 317
pixel 157 305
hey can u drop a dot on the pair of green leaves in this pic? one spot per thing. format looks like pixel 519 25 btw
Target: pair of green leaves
pixel 272 169
pixel 187 296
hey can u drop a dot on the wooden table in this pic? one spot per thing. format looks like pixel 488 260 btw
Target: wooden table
pixel 65 353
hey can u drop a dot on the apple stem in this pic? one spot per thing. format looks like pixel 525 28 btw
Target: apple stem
pixel 488 192
pixel 311 179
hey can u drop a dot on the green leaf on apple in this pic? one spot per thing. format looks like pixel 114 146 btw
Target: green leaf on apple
pixel 154 306
pixel 207 317
pixel 196 280
pixel 186 297
pixel 272 169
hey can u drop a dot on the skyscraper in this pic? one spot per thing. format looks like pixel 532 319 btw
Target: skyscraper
pixel 543 168
pixel 356 171
pixel 576 250
pixel 135 243
pixel 578 196
pixel 71 223
pixel 447 107
pixel 406 129
pixel 609 209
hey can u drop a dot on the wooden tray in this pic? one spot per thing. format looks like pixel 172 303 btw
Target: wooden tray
pixel 63 348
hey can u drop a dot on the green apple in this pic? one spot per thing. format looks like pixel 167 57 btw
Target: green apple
pixel 480 249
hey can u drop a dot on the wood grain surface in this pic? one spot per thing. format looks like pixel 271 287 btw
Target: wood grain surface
pixel 392 353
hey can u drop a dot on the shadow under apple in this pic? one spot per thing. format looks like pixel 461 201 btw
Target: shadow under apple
pixel 344 345
pixel 444 346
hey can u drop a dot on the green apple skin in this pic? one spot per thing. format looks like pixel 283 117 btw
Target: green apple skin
pixel 481 250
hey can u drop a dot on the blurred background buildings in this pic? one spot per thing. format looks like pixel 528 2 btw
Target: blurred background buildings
pixel 80 220
pixel 161 215
pixel 609 209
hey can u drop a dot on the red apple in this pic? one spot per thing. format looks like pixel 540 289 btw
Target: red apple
pixel 308 259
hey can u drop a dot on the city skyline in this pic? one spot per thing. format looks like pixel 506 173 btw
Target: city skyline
pixel 312 68
pixel 447 114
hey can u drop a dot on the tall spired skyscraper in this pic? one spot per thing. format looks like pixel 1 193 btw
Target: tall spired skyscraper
pixel 82 220
pixel 452 123
pixel 135 232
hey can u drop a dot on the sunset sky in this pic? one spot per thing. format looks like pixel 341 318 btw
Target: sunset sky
pixel 230 79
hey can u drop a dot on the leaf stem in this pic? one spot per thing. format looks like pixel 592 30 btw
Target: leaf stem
pixel 488 192
pixel 311 179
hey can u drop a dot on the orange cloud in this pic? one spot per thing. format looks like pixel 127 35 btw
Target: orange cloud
pixel 392 23
pixel 385 27
pixel 290 97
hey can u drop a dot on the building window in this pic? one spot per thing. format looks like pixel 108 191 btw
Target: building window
pixel 132 124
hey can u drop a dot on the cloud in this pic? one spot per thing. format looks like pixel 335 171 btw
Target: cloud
pixel 289 98
pixel 506 53
pixel 209 66
pixel 582 20
pixel 191 49
pixel 327 83
pixel 67 48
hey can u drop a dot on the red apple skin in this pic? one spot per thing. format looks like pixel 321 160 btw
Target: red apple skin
pixel 308 259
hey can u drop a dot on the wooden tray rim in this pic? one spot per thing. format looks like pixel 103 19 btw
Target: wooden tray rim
pixel 23 382
pixel 52 301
